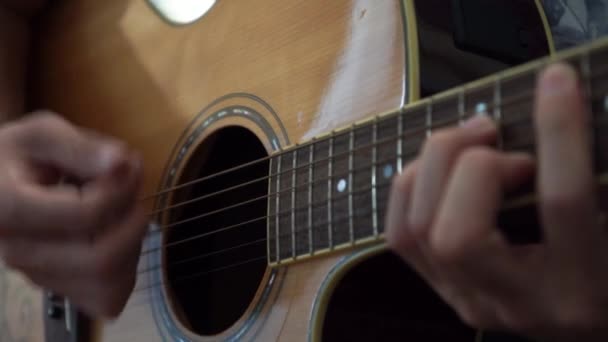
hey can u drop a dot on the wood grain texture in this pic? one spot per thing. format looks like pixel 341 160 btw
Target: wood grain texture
pixel 116 67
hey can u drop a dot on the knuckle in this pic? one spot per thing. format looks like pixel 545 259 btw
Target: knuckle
pixel 448 248
pixel 42 120
pixel 45 117
pixel 420 229
pixel 440 142
pixel 479 157
pixel 27 131
pixel 445 250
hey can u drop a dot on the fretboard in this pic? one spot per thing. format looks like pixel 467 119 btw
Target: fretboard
pixel 331 193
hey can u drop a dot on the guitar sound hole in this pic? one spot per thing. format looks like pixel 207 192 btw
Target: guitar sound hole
pixel 216 260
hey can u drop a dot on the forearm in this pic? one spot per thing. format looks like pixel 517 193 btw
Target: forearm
pixel 14 45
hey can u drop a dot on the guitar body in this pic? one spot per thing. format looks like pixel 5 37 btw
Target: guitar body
pixel 246 80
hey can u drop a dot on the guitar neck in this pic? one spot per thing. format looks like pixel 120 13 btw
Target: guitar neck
pixel 331 193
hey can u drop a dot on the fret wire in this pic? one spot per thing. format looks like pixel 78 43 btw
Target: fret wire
pixel 498 110
pixel 329 190
pixel 399 143
pixel 293 202
pixel 351 147
pixel 374 192
pixel 277 203
pixel 310 182
pixel 429 117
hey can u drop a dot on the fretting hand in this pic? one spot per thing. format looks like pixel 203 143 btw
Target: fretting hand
pixel 442 217
pixel 81 241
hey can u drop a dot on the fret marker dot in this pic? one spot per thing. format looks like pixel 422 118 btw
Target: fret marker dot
pixel 388 171
pixel 341 185
pixel 481 108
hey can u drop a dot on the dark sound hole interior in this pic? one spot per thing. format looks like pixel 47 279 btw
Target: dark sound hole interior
pixel 382 299
pixel 214 272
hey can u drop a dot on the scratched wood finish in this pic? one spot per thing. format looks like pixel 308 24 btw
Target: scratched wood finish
pixel 115 66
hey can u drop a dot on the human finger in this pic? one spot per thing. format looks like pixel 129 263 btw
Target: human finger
pixel 437 158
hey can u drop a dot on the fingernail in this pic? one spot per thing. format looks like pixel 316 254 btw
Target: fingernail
pixel 478 123
pixel 557 80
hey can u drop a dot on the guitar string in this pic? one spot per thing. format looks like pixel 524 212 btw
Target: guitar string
pixel 198 274
pixel 503 124
pixel 233 226
pixel 235 264
pixel 403 135
pixel 504 102
pixel 252 260
pixel 277 193
pixel 237 225
pixel 408 133
pixel 245 244
pixel 259 240
pixel 521 145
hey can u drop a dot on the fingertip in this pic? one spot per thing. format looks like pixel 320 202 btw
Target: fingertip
pixel 397 231
pixel 112 158
pixel 557 79
pixel 120 165
pixel 480 123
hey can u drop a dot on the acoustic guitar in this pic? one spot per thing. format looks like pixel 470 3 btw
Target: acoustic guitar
pixel 271 130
